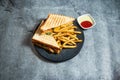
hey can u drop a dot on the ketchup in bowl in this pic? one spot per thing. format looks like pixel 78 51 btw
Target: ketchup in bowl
pixel 86 21
pixel 86 24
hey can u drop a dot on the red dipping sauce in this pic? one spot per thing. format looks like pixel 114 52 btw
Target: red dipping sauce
pixel 86 24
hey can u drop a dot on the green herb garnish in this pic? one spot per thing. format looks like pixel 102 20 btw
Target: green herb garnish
pixel 48 33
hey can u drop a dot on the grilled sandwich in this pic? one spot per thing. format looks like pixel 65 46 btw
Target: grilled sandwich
pixel 46 41
pixel 55 20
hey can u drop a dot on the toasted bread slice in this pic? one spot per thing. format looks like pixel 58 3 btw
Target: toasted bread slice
pixel 55 20
pixel 45 40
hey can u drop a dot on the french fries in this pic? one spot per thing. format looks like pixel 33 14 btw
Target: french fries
pixel 66 36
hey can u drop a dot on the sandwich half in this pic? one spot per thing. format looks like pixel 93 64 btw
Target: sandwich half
pixel 47 42
pixel 55 20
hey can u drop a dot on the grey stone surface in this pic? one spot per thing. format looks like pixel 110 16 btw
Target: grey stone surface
pixel 99 58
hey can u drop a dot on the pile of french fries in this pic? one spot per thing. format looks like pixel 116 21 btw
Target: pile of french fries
pixel 66 35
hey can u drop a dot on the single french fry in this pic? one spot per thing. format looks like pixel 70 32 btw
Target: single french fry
pixel 68 46
pixel 78 41
pixel 51 50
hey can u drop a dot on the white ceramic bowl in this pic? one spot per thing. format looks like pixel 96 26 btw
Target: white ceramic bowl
pixel 86 17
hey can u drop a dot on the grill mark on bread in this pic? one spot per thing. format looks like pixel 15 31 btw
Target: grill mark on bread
pixel 54 23
pixel 57 21
pixel 49 21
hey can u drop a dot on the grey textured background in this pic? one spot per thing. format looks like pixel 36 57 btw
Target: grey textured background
pixel 99 58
